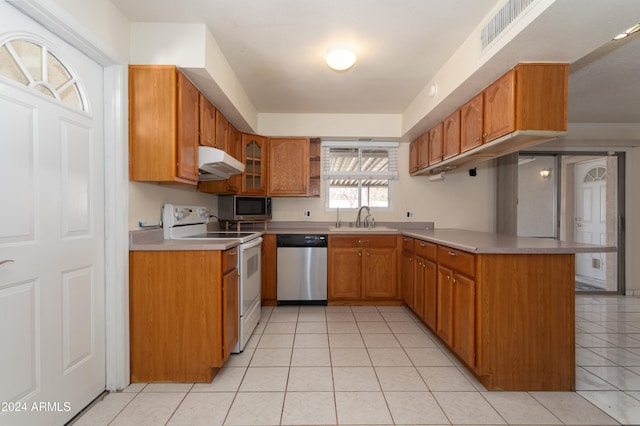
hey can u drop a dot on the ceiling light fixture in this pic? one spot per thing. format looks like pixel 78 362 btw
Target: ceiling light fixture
pixel 340 58
pixel 627 33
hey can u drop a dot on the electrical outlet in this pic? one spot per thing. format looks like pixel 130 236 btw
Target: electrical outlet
pixel 307 213
pixel 409 215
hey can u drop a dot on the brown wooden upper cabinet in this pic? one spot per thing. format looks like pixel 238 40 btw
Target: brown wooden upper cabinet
pixel 471 118
pixel 529 101
pixel 254 157
pixel 222 132
pixel 530 96
pixel 419 153
pixel 288 166
pixel 207 122
pixel 435 144
pixel 499 107
pixel 451 135
pixel 163 125
pixel 413 155
pixel 234 148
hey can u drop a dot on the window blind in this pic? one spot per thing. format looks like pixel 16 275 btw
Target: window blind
pixel 357 160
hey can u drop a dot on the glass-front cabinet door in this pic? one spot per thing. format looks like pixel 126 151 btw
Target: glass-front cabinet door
pixel 254 150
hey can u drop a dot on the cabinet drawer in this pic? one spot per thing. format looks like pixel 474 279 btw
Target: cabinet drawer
pixel 426 250
pixel 370 241
pixel 229 259
pixel 408 244
pixel 460 261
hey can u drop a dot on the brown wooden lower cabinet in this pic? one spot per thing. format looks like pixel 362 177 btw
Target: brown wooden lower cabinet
pixel 183 309
pixel 510 318
pixel 406 272
pixel 444 307
pixel 269 272
pixel 363 268
pixel 430 279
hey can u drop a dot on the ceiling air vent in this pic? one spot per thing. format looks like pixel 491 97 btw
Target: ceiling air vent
pixel 509 12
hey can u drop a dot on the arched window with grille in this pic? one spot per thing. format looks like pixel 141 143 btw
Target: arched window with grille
pixel 27 60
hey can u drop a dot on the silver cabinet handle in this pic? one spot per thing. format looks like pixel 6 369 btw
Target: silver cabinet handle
pixel 2 262
pixel 452 253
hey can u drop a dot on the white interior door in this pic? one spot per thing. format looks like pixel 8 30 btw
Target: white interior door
pixel 591 216
pixel 52 311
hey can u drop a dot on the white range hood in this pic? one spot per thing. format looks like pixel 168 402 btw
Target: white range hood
pixel 215 164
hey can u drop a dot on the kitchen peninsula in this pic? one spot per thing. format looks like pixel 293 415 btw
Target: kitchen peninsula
pixel 503 304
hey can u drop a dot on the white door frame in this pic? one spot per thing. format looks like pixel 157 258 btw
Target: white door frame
pixel 60 22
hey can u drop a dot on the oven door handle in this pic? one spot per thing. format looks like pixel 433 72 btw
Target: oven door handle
pixel 250 244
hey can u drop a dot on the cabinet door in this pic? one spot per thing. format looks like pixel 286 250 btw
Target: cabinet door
pixel 234 148
pixel 451 135
pixel 444 310
pixel 423 151
pixel 407 278
pixel 499 107
pixel 471 119
pixel 418 287
pixel 188 129
pixel 207 122
pixel 345 277
pixel 430 279
pixel 230 314
pixel 379 273
pixel 435 144
pixel 269 272
pixel 413 155
pixel 254 157
pixel 464 332
pixel 288 166
pixel 222 132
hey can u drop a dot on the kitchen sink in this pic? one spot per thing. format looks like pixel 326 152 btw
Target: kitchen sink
pixel 354 230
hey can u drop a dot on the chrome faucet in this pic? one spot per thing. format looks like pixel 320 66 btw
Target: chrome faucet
pixel 358 222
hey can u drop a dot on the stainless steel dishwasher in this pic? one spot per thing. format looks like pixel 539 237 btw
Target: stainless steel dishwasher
pixel 301 269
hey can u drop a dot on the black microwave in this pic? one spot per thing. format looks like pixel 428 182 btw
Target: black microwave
pixel 242 207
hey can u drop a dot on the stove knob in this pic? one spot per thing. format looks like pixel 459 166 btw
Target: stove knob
pixel 181 213
pixel 203 213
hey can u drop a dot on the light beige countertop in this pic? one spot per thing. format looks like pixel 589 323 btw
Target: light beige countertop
pixel 153 240
pixel 490 243
pixel 329 228
pixel 471 241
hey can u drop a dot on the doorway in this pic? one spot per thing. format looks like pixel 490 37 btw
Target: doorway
pixel 576 197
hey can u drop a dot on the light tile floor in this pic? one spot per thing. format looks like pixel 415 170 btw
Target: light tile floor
pixel 314 365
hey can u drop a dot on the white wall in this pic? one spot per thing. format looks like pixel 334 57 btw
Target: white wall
pixel 458 201
pixel 103 19
pixel 146 201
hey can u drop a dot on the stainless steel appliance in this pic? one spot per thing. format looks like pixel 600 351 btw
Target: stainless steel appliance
pixel 190 223
pixel 301 269
pixel 242 207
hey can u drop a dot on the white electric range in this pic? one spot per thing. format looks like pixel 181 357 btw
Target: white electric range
pixel 183 222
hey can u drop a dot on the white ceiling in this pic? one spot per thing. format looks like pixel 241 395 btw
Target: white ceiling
pixel 276 49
